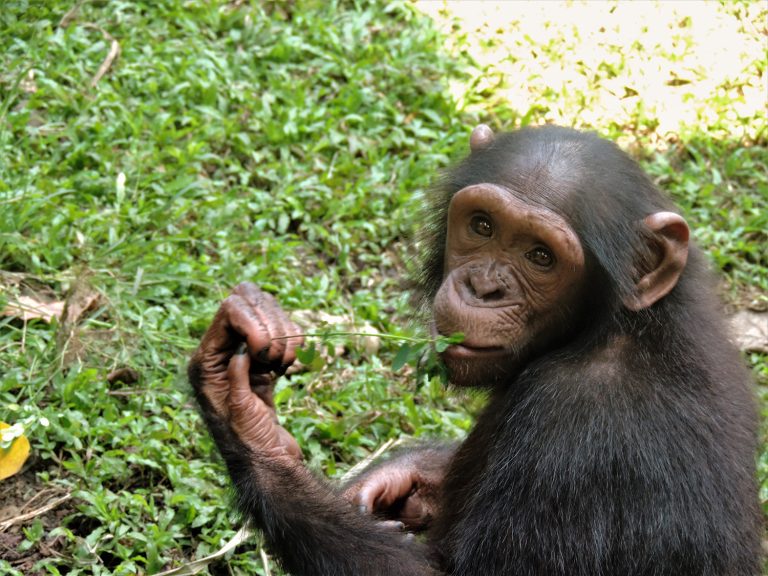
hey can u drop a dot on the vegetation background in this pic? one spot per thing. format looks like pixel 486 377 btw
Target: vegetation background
pixel 154 153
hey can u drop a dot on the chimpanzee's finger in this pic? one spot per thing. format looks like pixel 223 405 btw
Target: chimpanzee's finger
pixel 251 419
pixel 383 488
pixel 397 526
pixel 363 502
pixel 392 525
pixel 239 380
pixel 268 310
pixel 240 317
pixel 233 323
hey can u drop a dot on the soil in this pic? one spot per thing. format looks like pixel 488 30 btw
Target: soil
pixel 25 494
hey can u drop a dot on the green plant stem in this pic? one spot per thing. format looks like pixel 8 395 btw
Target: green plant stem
pixel 373 334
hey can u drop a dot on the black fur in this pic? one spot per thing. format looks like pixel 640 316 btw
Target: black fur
pixel 626 451
pixel 630 450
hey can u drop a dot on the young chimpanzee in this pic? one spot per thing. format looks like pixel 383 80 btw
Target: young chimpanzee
pixel 619 436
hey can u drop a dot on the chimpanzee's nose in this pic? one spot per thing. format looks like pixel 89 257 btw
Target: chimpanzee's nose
pixel 485 285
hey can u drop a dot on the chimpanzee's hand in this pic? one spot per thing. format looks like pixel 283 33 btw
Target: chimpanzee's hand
pixel 235 367
pixel 405 488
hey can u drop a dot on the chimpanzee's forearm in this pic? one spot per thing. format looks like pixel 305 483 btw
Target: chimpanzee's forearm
pixel 310 529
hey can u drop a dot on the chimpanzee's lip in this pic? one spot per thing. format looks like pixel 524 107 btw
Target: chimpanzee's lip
pixel 464 352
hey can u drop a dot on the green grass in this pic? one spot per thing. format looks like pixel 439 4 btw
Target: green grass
pixel 285 144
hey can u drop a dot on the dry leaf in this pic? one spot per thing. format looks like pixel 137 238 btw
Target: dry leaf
pixel 27 308
pixel 12 459
pixel 125 375
pixel 750 331
pixel 80 301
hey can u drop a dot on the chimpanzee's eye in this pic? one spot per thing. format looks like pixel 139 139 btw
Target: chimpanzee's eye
pixel 541 257
pixel 481 225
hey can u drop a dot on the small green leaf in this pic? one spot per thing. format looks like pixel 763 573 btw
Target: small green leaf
pixel 441 344
pixel 317 363
pixel 307 355
pixel 401 358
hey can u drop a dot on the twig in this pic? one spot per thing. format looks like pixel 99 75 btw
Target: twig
pixel 391 443
pixel 383 335
pixel 70 15
pixel 265 562
pixel 198 565
pixel 34 513
pixel 114 50
pixel 40 495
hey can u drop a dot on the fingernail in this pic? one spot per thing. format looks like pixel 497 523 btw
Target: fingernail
pixel 399 526
pixel 363 509
pixel 241 349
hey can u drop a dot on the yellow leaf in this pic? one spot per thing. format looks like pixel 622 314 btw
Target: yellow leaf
pixel 12 459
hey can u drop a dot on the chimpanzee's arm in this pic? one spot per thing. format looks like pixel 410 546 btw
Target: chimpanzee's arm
pixel 406 487
pixel 307 526
pixel 314 532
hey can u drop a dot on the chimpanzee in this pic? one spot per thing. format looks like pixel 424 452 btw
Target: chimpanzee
pixel 619 435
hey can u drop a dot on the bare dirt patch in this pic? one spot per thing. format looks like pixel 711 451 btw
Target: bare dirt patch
pixel 26 502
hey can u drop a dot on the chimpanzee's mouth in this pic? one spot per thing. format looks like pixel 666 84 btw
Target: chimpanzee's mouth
pixel 467 351
pixel 464 352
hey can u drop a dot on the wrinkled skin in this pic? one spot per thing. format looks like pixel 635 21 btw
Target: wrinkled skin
pixel 250 341
pixel 513 272
pixel 239 358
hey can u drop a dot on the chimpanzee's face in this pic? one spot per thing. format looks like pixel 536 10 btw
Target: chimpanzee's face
pixel 514 278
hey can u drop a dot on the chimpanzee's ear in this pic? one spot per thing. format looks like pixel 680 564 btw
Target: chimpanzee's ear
pixel 669 249
pixel 482 137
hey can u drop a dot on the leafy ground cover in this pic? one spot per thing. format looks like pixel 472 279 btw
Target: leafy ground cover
pixel 154 154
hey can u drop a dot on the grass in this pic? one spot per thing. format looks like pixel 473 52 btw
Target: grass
pixel 288 144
